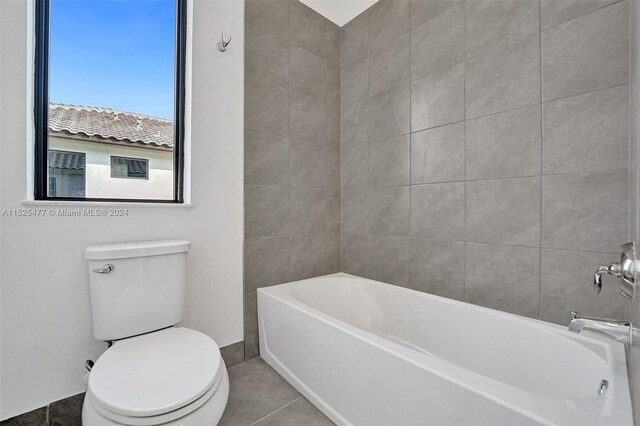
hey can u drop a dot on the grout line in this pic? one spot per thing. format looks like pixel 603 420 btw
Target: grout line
pixel 464 247
pixel 576 17
pixel 541 162
pixel 491 179
pixel 290 149
pixel 275 411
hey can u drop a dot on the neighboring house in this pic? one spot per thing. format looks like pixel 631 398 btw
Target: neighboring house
pixel 105 153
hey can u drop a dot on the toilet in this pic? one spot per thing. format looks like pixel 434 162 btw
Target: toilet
pixel 153 372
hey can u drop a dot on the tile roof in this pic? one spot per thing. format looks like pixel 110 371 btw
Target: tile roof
pixel 67 160
pixel 107 123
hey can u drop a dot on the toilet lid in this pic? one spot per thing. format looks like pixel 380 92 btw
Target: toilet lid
pixel 155 373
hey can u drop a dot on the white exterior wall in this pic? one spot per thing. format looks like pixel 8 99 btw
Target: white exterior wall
pixel 45 314
pixel 100 184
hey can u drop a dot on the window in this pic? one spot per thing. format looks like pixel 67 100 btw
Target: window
pixel 67 174
pixel 109 100
pixel 135 168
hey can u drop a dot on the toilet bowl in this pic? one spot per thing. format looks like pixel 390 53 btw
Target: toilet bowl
pixel 174 376
pixel 153 373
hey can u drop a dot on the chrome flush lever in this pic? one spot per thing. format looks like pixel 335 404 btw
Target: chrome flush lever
pixel 105 269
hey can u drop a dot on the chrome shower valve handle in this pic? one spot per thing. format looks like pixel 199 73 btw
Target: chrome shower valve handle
pixel 612 269
pixel 624 270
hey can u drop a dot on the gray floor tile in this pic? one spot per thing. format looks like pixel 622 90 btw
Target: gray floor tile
pixel 67 412
pixel 256 391
pixel 35 417
pixel 300 412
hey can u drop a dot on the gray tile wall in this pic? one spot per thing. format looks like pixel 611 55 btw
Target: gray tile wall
pixel 292 149
pixel 484 150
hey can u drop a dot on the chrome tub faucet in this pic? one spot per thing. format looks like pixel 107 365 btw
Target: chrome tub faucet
pixel 620 331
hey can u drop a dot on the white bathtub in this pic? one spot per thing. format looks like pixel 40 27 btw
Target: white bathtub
pixel 367 353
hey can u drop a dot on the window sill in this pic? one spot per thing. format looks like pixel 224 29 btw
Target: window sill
pixel 65 203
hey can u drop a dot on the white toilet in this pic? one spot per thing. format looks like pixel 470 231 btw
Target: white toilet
pixel 154 373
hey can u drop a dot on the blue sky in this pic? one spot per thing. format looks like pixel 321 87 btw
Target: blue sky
pixel 114 53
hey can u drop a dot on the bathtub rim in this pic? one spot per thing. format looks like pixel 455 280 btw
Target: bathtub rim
pixel 502 393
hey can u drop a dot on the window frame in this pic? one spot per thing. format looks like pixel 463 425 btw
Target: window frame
pixel 41 109
pixel 120 157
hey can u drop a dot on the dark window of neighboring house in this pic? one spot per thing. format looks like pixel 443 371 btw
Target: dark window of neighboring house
pixel 67 174
pixel 106 101
pixel 136 168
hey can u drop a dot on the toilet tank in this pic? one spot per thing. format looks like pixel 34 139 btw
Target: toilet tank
pixel 136 287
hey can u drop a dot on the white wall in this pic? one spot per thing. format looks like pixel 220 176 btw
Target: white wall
pixel 45 316
pixel 340 12
pixel 98 180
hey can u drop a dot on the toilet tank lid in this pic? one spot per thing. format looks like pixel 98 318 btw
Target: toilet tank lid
pixel 136 249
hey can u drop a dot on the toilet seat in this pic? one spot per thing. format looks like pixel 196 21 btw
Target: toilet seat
pixel 167 373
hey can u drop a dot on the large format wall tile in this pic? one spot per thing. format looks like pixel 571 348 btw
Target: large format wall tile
pixel 503 277
pixel 389 64
pixel 554 12
pixel 389 259
pixel 355 210
pixel 333 210
pixel 266 211
pixel 587 132
pixel 266 107
pixel 438 99
pixel 504 79
pixel 266 262
pixel 566 285
pixel 389 161
pixel 504 145
pixel 332 40
pixel 437 155
pixel 389 210
pixel 390 112
pixel 586 211
pixel 332 163
pixel 424 10
pixel 354 254
pixel 307 28
pixel 586 54
pixel 355 123
pixel 332 252
pixel 332 106
pixel 307 72
pixel 266 56
pixel 438 44
pixel 308 211
pixel 491 23
pixel 307 118
pixel 266 159
pixel 437 267
pixel 387 19
pixel 355 38
pixel 355 81
pixel 307 165
pixel 504 211
pixel 355 166
pixel 438 211
pixel 251 341
pixel 271 15
pixel 307 256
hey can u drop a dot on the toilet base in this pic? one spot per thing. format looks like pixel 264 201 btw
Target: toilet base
pixel 208 414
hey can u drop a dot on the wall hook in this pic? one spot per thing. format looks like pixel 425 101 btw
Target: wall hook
pixel 222 44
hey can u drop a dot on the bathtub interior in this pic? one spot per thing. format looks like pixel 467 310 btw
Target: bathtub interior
pixel 503 347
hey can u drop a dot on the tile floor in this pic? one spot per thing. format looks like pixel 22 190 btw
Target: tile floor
pixel 258 396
